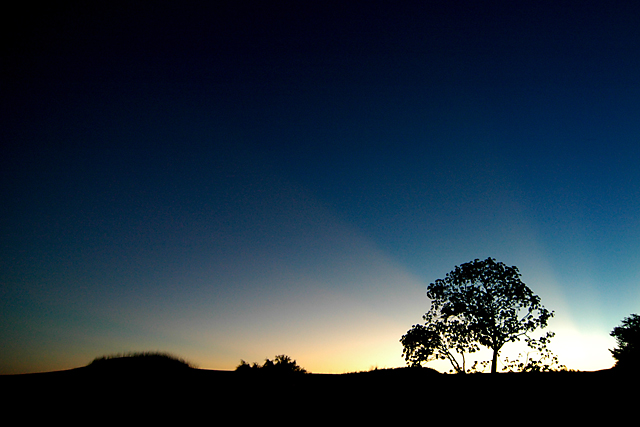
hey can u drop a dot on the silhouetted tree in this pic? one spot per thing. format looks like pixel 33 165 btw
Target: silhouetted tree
pixel 480 302
pixel 627 336
pixel 438 338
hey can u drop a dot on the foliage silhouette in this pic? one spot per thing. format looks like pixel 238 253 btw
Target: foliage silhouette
pixel 627 337
pixel 478 303
pixel 542 359
pixel 539 359
pixel 281 364
pixel 140 362
pixel 438 338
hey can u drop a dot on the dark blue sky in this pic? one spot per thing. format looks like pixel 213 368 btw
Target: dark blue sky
pixel 244 180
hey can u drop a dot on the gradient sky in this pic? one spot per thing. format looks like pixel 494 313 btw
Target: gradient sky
pixel 244 180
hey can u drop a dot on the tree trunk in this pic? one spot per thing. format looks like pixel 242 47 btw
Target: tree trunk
pixel 494 362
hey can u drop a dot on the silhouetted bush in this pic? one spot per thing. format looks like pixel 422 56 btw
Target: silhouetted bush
pixel 280 364
pixel 245 367
pixel 407 371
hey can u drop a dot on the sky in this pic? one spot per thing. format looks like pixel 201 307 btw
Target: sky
pixel 246 179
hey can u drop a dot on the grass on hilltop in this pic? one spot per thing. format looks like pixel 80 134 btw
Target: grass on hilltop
pixel 140 361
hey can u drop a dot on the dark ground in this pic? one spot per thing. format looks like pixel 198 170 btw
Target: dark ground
pixel 394 395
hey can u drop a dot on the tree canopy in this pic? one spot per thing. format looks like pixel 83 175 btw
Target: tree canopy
pixel 438 338
pixel 478 303
pixel 627 336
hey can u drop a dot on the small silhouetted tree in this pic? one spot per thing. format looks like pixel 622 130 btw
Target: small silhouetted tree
pixel 627 337
pixel 480 302
pixel 439 338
